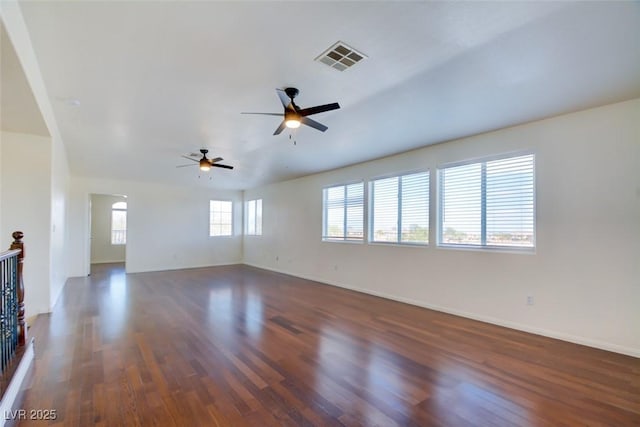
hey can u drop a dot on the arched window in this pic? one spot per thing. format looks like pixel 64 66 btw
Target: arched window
pixel 119 223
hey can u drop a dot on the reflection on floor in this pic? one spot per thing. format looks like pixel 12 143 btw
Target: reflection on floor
pixel 107 268
pixel 236 345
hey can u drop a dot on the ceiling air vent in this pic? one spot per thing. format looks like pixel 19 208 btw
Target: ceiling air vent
pixel 340 56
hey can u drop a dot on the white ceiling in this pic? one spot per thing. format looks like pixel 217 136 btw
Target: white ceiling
pixel 159 79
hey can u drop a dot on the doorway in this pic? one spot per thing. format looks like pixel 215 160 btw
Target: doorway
pixel 108 232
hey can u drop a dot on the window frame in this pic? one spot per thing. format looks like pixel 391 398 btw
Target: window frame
pixel 211 223
pixel 257 229
pixel 344 238
pixel 483 246
pixel 119 209
pixel 371 210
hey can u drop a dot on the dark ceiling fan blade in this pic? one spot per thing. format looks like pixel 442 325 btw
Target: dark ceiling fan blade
pixel 217 165
pixel 284 98
pixel 318 109
pixel 184 166
pixel 217 159
pixel 266 114
pixel 280 128
pixel 307 121
pixel 189 158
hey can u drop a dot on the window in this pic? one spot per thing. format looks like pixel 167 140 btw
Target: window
pixel 220 218
pixel 253 224
pixel 400 209
pixel 343 212
pixel 488 204
pixel 119 223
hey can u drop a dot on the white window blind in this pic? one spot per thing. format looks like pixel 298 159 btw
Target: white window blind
pixel 251 217
pixel 488 204
pixel 400 209
pixel 259 217
pixel 253 224
pixel 220 218
pixel 343 212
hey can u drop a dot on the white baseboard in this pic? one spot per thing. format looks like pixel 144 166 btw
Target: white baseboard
pixel 117 261
pixel 190 267
pixel 16 383
pixel 602 345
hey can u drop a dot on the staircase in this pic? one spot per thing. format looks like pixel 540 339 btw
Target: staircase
pixel 16 352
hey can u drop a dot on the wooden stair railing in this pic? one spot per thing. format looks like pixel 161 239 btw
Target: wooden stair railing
pixel 13 331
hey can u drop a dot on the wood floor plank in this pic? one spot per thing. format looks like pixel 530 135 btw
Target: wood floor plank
pixel 240 346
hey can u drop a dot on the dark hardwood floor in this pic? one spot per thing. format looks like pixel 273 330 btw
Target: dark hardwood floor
pixel 234 346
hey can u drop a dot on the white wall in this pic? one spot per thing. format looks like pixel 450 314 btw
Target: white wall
pixel 56 180
pixel 5 241
pixel 168 227
pixel 59 184
pixel 584 276
pixel 101 248
pixel 26 206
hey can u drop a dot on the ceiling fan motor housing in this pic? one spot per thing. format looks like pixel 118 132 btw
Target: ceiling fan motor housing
pixel 291 115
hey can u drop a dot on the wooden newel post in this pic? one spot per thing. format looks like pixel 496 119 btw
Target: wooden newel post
pixel 18 244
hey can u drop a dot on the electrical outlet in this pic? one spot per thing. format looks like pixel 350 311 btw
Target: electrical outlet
pixel 530 300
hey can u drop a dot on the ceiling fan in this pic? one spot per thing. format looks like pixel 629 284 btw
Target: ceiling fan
pixel 294 115
pixel 205 163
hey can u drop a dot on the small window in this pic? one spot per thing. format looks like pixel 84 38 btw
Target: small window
pixel 119 223
pixel 253 224
pixel 220 218
pixel 400 209
pixel 488 204
pixel 343 212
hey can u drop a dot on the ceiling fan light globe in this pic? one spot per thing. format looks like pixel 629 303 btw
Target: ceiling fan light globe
pixel 292 123
pixel 291 119
pixel 204 165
